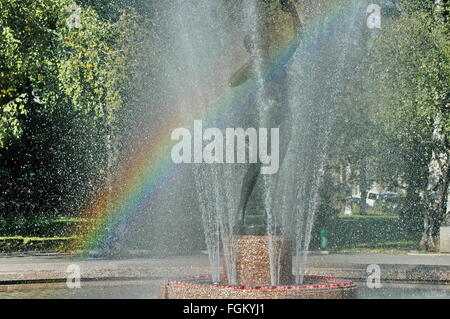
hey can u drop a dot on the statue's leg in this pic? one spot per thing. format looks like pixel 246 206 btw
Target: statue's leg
pixel 248 185
pixel 280 113
pixel 286 120
pixel 279 116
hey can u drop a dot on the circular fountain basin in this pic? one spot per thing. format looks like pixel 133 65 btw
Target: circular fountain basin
pixel 314 288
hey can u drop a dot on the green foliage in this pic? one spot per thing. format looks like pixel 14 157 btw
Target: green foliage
pixel 368 232
pixel 44 63
pixel 407 89
pixel 112 9
pixel 414 6
pixel 410 73
pixel 61 87
pixel 396 89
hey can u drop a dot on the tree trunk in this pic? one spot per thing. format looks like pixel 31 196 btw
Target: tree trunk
pixel 436 192
pixel 363 185
pixel 411 207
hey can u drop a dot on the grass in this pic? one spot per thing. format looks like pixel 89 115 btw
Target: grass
pixel 373 232
pixel 28 239
pixel 69 220
pixel 394 251
pixel 378 232
pixel 369 215
pixel 390 247
pixel 23 243
pixel 40 227
pixel 44 233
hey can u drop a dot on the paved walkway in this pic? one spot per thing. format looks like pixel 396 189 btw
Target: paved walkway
pixel 411 267
pixel 383 259
pixel 41 267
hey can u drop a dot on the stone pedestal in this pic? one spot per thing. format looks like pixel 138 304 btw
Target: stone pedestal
pixel 444 242
pixel 253 260
pixel 253 275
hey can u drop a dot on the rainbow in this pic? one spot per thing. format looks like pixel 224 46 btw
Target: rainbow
pixel 146 171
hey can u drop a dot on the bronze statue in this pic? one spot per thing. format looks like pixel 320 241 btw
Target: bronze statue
pixel 276 90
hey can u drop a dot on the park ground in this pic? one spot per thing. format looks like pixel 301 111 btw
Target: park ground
pixel 41 275
pixel 34 260
pixel 372 233
pixel 36 252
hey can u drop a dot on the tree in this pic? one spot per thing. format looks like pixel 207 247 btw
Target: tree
pixel 353 148
pixel 61 84
pixel 409 90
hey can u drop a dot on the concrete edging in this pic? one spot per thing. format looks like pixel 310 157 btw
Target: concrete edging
pixel 389 272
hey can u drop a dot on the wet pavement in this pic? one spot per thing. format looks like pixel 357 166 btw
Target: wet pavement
pixel 44 275
pixel 150 290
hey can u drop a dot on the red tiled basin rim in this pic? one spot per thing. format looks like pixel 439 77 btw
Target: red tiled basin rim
pixel 318 282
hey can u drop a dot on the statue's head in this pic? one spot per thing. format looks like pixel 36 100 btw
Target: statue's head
pixel 256 44
pixel 249 44
pixel 276 28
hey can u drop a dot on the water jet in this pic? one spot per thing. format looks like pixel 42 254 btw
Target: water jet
pixel 273 88
pixel 253 273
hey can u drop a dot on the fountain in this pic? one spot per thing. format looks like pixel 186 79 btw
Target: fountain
pixel 221 149
pixel 257 224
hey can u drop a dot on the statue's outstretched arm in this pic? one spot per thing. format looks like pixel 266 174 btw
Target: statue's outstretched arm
pixel 241 75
